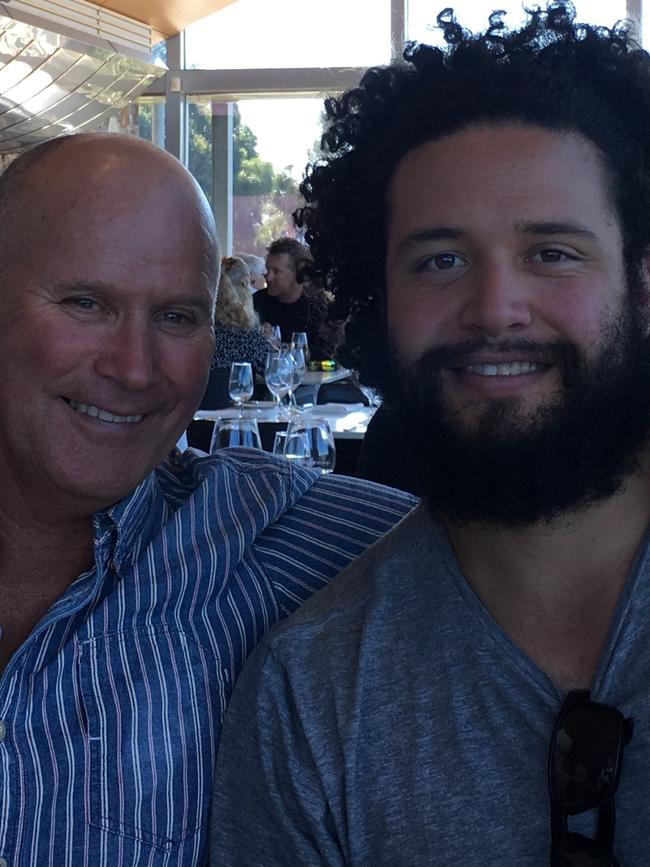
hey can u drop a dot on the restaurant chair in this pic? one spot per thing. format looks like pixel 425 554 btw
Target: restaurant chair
pixel 341 392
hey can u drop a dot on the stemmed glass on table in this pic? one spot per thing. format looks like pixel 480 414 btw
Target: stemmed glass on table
pixel 231 432
pixel 299 341
pixel 240 383
pixel 275 336
pixel 309 442
pixel 299 370
pixel 278 375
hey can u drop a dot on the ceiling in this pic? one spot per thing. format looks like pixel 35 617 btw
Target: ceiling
pixel 165 17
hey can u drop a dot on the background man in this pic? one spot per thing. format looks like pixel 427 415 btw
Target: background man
pixel 293 303
pixel 491 205
pixel 133 586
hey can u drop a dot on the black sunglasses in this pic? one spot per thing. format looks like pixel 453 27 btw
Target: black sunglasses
pixel 584 768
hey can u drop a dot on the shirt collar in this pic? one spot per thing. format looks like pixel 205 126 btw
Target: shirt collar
pixel 121 529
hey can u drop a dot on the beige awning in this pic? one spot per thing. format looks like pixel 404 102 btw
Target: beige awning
pixel 165 17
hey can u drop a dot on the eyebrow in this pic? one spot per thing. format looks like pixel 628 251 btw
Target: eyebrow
pixel 450 233
pixel 82 286
pixel 433 233
pixel 557 228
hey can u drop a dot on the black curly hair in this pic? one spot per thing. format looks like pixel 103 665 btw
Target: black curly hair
pixel 552 73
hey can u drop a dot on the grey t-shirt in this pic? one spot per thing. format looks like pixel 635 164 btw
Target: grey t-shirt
pixel 391 723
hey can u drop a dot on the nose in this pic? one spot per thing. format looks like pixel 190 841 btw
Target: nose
pixel 128 356
pixel 498 301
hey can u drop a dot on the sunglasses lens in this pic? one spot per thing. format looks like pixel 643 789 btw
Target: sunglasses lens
pixel 585 759
pixel 574 850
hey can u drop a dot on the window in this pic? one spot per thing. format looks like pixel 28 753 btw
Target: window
pixel 258 34
pixel 149 120
pixel 272 141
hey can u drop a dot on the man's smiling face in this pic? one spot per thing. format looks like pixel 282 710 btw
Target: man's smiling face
pixel 500 237
pixel 105 323
pixel 519 348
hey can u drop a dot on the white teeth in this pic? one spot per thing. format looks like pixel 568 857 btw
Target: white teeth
pixel 102 415
pixel 515 368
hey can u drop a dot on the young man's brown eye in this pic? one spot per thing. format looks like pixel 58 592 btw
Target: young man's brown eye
pixel 445 261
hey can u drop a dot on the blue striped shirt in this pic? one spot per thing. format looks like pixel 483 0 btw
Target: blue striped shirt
pixel 111 710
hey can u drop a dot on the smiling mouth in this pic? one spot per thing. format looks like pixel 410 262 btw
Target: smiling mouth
pixel 102 414
pixel 514 368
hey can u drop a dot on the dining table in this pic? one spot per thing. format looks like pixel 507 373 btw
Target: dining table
pixel 346 420
pixel 322 377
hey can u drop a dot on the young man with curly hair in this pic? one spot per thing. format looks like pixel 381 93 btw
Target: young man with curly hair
pixel 464 693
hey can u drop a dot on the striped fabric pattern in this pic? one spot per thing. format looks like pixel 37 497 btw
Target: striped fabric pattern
pixel 111 711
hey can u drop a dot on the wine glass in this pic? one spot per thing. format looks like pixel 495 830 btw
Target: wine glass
pixel 299 369
pixel 278 375
pixel 275 335
pixel 232 432
pixel 240 383
pixel 279 441
pixel 300 366
pixel 310 442
pixel 299 341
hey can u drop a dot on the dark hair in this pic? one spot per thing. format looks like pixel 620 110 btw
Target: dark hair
pixel 298 254
pixel 552 73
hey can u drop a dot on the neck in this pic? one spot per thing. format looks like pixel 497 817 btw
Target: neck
pixel 38 561
pixel 553 588
pixel 291 295
pixel 57 545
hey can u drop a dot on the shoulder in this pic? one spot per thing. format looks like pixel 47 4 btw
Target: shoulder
pixel 261 299
pixel 360 509
pixel 247 482
pixel 335 520
pixel 395 553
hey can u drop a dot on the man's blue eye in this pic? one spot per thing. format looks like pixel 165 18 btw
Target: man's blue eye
pixel 175 317
pixel 81 302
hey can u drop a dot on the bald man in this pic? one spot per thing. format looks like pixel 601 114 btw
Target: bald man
pixel 133 580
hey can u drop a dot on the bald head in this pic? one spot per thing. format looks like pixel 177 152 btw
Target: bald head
pixel 131 178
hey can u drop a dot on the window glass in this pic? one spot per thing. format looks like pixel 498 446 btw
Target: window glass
pixel 273 139
pixel 144 118
pixel 259 34
pixel 473 14
pixel 150 120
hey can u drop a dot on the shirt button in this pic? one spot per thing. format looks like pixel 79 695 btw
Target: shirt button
pixel 4 862
pixel 3 732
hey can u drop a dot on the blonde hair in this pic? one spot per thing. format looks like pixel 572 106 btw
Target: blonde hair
pixel 234 299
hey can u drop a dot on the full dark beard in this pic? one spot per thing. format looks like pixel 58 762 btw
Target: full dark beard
pixel 515 468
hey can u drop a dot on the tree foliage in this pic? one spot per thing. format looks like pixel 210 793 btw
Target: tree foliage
pixel 252 175
pixel 264 197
